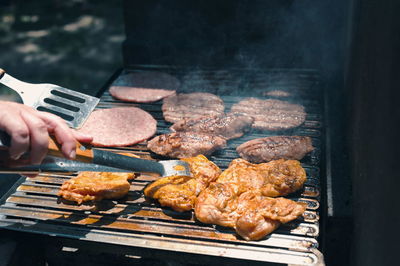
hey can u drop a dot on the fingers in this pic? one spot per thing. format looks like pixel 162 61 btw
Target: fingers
pixel 39 136
pixel 65 136
pixel 82 137
pixel 15 126
pixel 29 130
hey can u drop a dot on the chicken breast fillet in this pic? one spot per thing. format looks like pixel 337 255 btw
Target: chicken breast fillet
pixel 88 186
pixel 275 178
pixel 259 216
pixel 180 192
pixel 241 197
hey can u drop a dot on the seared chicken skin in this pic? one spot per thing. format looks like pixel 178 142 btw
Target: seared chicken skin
pixel 259 215
pixel 96 186
pixel 276 178
pixel 241 197
pixel 180 192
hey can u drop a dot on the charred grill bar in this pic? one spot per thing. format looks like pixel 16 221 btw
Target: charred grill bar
pixel 142 226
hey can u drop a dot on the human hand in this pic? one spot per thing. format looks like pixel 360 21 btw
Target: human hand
pixel 29 130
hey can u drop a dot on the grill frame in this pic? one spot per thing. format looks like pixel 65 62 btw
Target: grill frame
pixel 283 246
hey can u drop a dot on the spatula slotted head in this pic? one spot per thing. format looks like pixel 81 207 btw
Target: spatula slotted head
pixel 74 107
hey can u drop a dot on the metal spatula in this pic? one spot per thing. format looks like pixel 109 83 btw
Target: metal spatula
pixel 74 107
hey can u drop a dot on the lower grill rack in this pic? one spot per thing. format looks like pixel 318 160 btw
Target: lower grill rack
pixel 136 222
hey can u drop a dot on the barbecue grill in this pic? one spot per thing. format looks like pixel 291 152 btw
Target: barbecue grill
pixel 136 222
pixel 334 57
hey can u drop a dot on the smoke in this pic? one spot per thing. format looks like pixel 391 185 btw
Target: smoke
pixel 257 34
pixel 290 34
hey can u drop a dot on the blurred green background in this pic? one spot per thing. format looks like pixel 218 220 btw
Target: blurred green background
pixel 75 44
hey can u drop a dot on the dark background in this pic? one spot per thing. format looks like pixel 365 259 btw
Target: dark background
pixel 75 44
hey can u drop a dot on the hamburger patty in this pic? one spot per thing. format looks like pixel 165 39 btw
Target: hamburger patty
pixel 271 114
pixel 277 147
pixel 121 126
pixel 191 105
pixel 228 126
pixel 144 87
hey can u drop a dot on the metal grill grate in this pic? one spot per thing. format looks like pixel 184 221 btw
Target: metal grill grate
pixel 133 221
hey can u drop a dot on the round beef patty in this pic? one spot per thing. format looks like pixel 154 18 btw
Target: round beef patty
pixel 191 105
pixel 122 126
pixel 271 114
pixel 144 87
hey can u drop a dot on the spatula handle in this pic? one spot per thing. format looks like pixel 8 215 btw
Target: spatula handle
pixel 83 153
pixel 106 158
pixel 96 156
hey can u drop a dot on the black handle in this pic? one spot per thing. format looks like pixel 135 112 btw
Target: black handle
pixel 125 162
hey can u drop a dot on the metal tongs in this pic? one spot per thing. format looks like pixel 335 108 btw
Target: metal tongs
pixel 114 162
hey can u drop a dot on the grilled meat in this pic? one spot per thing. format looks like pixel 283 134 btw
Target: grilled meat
pixel 240 197
pixel 285 177
pixel 191 105
pixel 139 95
pixel 144 87
pixel 217 204
pixel 260 215
pixel 272 148
pixel 88 186
pixel 250 213
pixel 228 126
pixel 180 192
pixel 276 178
pixel 185 144
pixel 120 126
pixel 271 114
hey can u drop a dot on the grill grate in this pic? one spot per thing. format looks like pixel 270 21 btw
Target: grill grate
pixel 133 221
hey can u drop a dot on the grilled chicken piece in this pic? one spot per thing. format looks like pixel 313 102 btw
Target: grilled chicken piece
pixel 259 215
pixel 96 186
pixel 217 204
pixel 252 225
pixel 180 192
pixel 240 197
pixel 251 214
pixel 228 126
pixel 185 144
pixel 271 114
pixel 191 105
pixel 276 178
pixel 272 148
